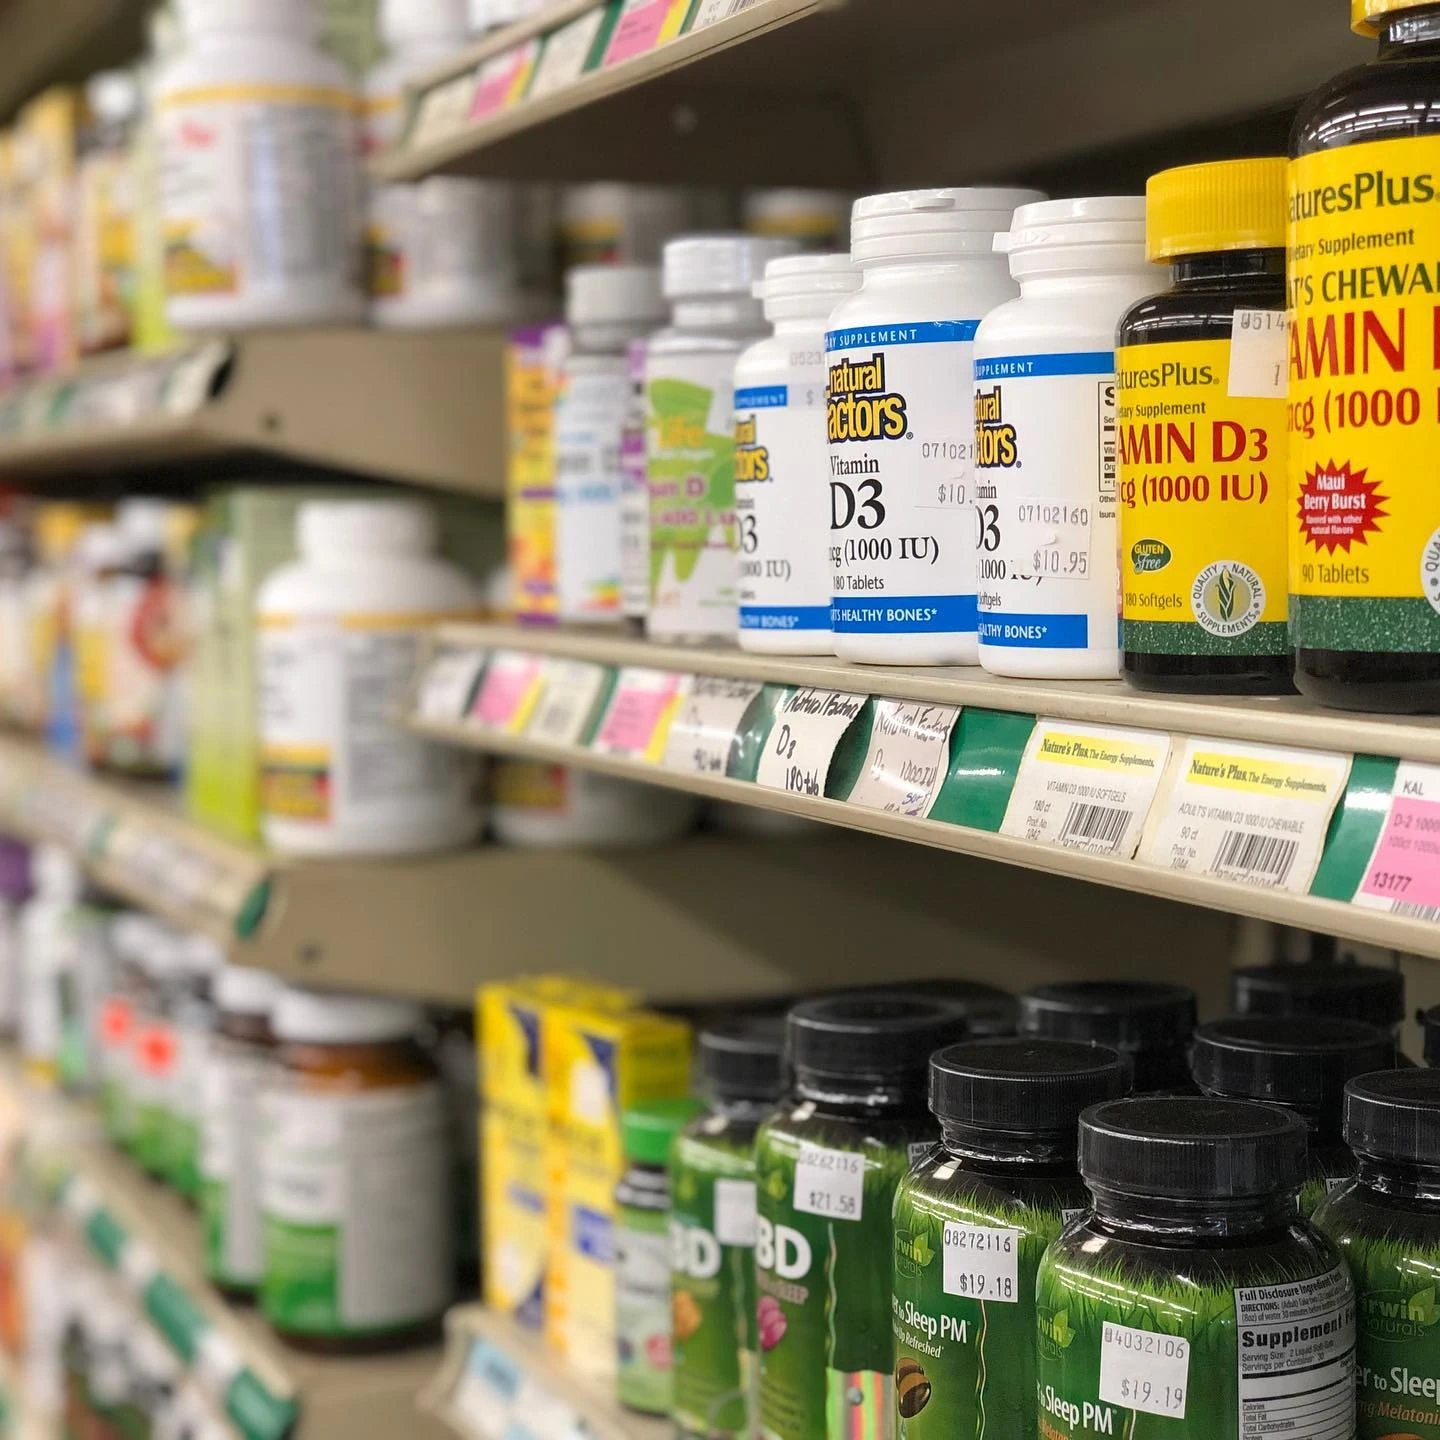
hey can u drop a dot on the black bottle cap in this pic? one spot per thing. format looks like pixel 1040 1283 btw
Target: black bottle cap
pixel 866 1034
pixel 1395 1115
pixel 988 1009
pixel 744 1059
pixel 1149 1023
pixel 1302 1061
pixel 1184 1147
pixel 1431 1021
pixel 1348 992
pixel 1025 1086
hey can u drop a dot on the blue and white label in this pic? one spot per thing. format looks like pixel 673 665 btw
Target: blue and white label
pixel 902 507
pixel 781 504
pixel 1045 489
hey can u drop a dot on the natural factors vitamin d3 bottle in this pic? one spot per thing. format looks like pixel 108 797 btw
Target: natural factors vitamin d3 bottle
pixel 1045 465
pixel 781 498
pixel 1193 1303
pixel 972 1220
pixel 899 354
pixel 1202 438
pixel 826 1166
pixel 1365 372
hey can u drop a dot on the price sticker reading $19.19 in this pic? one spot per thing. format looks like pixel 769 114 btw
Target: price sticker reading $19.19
pixel 829 1182
pixel 1141 1370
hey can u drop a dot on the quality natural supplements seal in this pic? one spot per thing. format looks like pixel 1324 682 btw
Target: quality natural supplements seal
pixel 1387 1225
pixel 972 1220
pixel 1364 362
pixel 1193 1303
pixel 827 1163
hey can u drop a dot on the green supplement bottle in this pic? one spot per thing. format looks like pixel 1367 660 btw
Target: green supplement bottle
pixel 642 1253
pixel 1387 1225
pixel 1149 1024
pixel 1302 1063
pixel 1194 1303
pixel 827 1163
pixel 712 1231
pixel 972 1220
pixel 1347 992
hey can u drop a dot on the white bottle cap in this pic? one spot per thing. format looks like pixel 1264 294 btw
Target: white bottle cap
pixel 297 19
pixel 1099 232
pixel 247 991
pixel 113 96
pixel 57 874
pixel 406 22
pixel 916 224
pixel 308 1016
pixel 100 547
pixel 392 527
pixel 613 295
pixel 797 286
pixel 144 522
pixel 696 266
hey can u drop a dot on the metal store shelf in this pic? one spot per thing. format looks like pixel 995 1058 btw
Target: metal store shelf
pixel 1281 722
pixel 154 1241
pixel 865 93
pixel 425 408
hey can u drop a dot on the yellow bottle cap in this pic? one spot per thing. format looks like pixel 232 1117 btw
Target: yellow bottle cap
pixel 1228 205
pixel 1367 16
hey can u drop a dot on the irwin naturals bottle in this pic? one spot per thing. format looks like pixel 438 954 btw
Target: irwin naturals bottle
pixel 1201 412
pixel 1364 364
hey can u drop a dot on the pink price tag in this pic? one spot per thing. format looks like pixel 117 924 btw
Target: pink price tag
pixel 502 80
pixel 635 712
pixel 1406 866
pixel 510 684
pixel 642 27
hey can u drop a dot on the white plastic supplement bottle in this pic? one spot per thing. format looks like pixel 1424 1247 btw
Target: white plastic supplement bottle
pixel 901 422
pixel 260 171
pixel 782 499
pixel 339 639
pixel 541 807
pixel 634 495
pixel 441 251
pixel 1045 467
pixel 606 307
pixel 49 953
pixel 689 429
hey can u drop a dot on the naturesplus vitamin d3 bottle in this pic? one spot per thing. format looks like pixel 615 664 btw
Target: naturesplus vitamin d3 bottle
pixel 1364 364
pixel 1202 438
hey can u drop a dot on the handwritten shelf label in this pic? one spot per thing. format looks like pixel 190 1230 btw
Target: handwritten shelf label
pixel 1254 814
pixel 908 757
pixel 808 726
pixel 1086 787
pixel 704 729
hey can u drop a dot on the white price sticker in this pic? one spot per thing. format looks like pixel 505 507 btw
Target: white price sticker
pixel 1086 787
pixel 908 758
pixel 569 692
pixel 441 110
pixel 448 685
pixel 1254 814
pixel 735 1212
pixel 711 12
pixel 487 1391
pixel 704 728
pixel 982 1262
pixel 808 726
pixel 1140 1370
pixel 1259 355
pixel 562 61
pixel 829 1182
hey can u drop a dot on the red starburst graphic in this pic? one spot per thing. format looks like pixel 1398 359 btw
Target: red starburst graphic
pixel 1339 506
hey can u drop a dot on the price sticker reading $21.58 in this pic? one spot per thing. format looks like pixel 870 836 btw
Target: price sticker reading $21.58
pixel 1142 1370
pixel 829 1182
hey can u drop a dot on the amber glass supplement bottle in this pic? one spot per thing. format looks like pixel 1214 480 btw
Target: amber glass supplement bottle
pixel 1201 432
pixel 1364 364
pixel 355 1177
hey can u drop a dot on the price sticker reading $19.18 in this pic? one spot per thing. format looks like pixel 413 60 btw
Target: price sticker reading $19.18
pixel 1141 1370
pixel 982 1262
pixel 829 1182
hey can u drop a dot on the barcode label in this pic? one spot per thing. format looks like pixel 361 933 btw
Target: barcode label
pixel 1411 911
pixel 1100 827
pixel 1263 859
pixel 711 12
